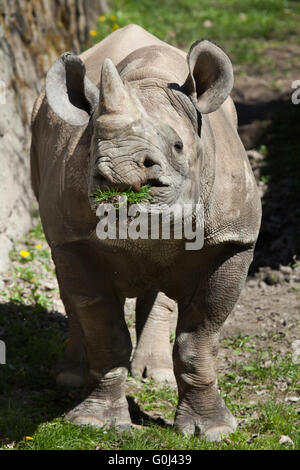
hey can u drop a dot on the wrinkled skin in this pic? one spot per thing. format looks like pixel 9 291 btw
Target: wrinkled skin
pixel 158 117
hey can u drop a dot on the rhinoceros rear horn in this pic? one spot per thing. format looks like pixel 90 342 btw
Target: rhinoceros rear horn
pixel 211 76
pixel 71 95
pixel 114 97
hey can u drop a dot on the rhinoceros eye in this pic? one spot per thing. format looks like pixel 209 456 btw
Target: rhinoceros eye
pixel 178 146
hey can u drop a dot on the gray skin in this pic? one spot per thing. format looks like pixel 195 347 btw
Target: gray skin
pixel 157 116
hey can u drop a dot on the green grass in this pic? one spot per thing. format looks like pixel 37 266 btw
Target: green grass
pixel 58 436
pixel 243 28
pixel 112 195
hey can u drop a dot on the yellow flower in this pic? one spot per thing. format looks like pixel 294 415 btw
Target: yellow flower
pixel 66 341
pixel 113 18
pixel 29 438
pixel 114 26
pixel 93 32
pixel 24 253
pixel 102 18
pixel 38 247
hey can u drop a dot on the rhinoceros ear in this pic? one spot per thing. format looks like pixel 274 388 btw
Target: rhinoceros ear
pixel 71 95
pixel 211 76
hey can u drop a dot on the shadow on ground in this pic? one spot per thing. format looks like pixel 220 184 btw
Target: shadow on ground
pixel 275 127
pixel 141 418
pixel 34 341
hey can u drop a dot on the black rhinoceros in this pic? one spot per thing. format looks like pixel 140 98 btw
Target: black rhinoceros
pixel 130 111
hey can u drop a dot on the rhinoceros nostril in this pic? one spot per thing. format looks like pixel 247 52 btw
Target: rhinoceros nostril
pixel 148 162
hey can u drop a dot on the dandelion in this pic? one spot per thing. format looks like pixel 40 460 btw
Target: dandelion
pixel 29 438
pixel 24 253
pixel 93 33
pixel 113 18
pixel 38 247
pixel 102 18
pixel 114 27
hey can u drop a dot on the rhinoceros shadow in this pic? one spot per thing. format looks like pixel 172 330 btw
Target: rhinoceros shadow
pixel 35 340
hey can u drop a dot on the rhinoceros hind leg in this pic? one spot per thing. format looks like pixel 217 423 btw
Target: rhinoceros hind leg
pixel 153 357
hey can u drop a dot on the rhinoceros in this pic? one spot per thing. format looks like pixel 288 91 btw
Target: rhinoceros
pixel 133 110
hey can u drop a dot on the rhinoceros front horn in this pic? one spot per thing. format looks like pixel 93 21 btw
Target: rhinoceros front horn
pixel 114 97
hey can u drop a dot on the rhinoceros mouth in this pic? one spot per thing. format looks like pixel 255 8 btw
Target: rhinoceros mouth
pixel 157 183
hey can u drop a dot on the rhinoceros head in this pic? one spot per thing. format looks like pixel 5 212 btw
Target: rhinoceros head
pixel 145 131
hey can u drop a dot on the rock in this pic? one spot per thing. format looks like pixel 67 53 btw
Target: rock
pixel 50 285
pixel 296 351
pixel 267 364
pixel 285 440
pixel 263 285
pixel 32 35
pixel 292 399
pixel 274 277
pixel 286 270
pixel 253 436
pixel 255 155
pixel 296 357
pixel 296 345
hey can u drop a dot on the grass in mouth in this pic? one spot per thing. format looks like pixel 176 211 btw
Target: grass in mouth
pixel 112 195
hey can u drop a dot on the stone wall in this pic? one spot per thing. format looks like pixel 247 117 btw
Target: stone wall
pixel 32 34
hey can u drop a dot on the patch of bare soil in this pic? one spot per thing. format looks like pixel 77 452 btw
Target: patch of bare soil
pixel 269 311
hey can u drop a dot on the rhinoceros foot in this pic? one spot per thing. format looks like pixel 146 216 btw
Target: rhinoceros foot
pixel 106 414
pixel 69 374
pixel 211 427
pixel 155 368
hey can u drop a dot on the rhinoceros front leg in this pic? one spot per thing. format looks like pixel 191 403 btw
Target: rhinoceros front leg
pixel 201 410
pixel 105 336
pixel 153 356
